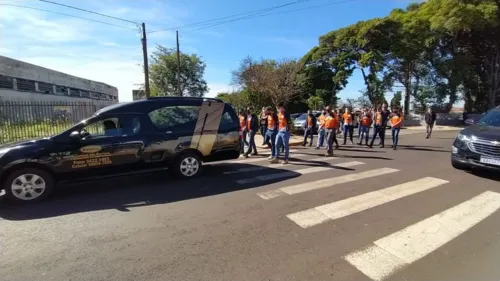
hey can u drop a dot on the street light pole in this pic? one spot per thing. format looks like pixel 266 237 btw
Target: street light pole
pixel 145 57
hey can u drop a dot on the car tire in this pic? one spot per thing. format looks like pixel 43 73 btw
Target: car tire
pixel 187 165
pixel 459 166
pixel 28 185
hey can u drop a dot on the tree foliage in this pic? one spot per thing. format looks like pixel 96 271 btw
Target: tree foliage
pixel 163 74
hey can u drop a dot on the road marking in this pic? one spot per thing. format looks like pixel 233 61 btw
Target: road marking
pixel 352 205
pixel 408 245
pixel 304 187
pixel 291 173
pixel 257 159
pixel 257 168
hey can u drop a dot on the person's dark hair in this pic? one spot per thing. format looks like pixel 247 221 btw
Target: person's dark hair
pixel 281 104
pixel 269 108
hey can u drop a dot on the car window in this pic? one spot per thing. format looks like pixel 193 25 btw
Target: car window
pixel 108 127
pixel 175 118
pixel 491 118
pixel 228 122
pixel 302 117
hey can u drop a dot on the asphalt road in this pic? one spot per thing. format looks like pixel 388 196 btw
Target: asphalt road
pixel 314 219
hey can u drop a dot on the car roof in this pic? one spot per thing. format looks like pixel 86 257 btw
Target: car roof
pixel 146 105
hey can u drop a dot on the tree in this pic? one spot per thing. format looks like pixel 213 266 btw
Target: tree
pixel 396 100
pixel 163 74
pixel 239 100
pixel 277 81
pixel 315 103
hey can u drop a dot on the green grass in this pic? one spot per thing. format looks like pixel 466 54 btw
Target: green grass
pixel 12 132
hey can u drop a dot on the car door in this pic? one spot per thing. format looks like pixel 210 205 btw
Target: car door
pixel 101 151
pixel 228 136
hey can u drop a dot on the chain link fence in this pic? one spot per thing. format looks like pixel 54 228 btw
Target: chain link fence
pixel 24 120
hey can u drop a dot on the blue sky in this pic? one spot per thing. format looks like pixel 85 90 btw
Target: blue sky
pixel 113 55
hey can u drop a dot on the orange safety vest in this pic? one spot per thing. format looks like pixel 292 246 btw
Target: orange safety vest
pixel 330 122
pixel 282 122
pixel 366 120
pixel 321 120
pixel 270 122
pixel 378 119
pixel 395 119
pixel 337 121
pixel 309 121
pixel 347 118
pixel 242 122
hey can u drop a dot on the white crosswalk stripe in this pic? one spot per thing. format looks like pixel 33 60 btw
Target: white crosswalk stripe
pixel 362 202
pixel 258 159
pixel 291 173
pixel 397 250
pixel 324 183
pixel 257 168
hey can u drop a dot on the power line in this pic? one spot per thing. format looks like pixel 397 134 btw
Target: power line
pixel 68 15
pixel 84 10
pixel 232 16
pixel 269 14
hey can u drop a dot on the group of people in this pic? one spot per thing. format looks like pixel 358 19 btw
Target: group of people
pixel 333 122
pixel 275 126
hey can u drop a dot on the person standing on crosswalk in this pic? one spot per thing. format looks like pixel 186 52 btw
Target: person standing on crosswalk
pixel 252 124
pixel 348 118
pixel 330 131
pixel 378 128
pixel 272 130
pixel 365 124
pixel 243 134
pixel 263 125
pixel 321 129
pixel 309 128
pixel 396 124
pixel 283 136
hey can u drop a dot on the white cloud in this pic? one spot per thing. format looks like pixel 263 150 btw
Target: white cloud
pixel 215 88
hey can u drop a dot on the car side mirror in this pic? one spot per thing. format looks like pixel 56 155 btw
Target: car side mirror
pixel 75 135
pixel 469 121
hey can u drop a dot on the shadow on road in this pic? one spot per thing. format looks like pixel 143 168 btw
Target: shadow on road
pixel 125 193
pixel 423 148
pixel 485 174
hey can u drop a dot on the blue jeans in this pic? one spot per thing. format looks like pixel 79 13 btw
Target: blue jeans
pixel 251 142
pixel 321 137
pixel 364 132
pixel 282 138
pixel 348 130
pixel 308 132
pixel 271 137
pixel 395 136
pixel 263 130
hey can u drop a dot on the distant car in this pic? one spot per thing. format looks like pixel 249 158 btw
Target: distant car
pixel 478 146
pixel 299 123
pixel 174 133
pixel 294 116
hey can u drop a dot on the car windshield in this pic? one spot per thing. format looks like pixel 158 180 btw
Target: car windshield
pixel 302 117
pixel 491 118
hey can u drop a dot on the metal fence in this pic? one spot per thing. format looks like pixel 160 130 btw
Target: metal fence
pixel 21 120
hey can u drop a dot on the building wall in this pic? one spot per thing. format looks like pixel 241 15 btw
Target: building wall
pixel 20 81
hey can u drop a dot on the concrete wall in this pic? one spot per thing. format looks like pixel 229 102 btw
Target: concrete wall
pixel 18 69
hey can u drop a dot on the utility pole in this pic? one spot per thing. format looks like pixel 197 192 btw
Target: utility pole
pixel 145 57
pixel 178 65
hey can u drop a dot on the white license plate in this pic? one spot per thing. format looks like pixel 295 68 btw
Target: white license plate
pixel 491 161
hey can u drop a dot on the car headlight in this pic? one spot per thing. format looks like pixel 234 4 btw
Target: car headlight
pixel 464 138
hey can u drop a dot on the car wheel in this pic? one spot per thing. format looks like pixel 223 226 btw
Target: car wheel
pixel 187 166
pixel 459 166
pixel 28 185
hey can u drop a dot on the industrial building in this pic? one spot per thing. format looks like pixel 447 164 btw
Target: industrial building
pixel 25 82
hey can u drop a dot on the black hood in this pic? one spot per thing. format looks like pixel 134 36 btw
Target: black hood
pixel 483 131
pixel 26 143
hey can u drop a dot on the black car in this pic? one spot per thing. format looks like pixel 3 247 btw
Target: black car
pixel 177 133
pixel 478 146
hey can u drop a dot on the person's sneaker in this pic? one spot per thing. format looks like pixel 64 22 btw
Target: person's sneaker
pixel 274 161
pixel 329 154
pixel 360 143
pixel 395 148
pixel 284 162
pixel 317 147
pixel 382 146
pixel 270 157
pixel 245 155
pixel 255 153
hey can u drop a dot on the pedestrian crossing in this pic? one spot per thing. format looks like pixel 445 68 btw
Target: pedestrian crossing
pixel 378 259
